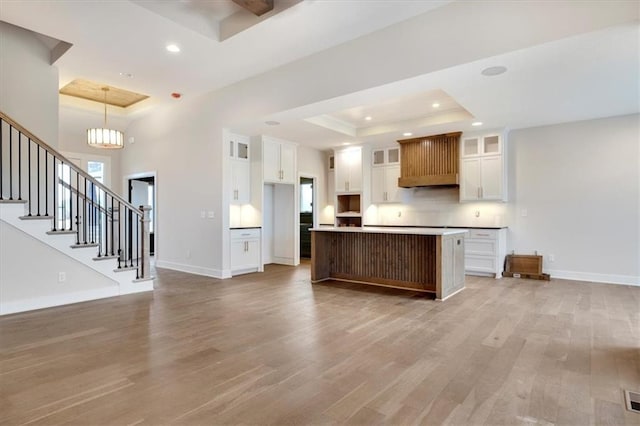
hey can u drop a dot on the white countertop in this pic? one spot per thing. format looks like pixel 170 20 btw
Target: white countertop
pixel 394 230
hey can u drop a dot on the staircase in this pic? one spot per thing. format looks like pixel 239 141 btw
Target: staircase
pixel 47 197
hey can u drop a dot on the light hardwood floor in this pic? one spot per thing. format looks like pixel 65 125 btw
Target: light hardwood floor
pixel 273 349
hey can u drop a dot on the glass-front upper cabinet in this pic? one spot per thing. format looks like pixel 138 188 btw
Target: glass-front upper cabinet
pixel 385 156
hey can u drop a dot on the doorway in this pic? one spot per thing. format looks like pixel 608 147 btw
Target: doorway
pixel 142 191
pixel 307 206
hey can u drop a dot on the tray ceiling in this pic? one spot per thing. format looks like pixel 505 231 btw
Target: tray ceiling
pixel 92 91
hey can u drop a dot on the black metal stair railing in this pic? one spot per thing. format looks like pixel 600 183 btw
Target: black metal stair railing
pixel 54 188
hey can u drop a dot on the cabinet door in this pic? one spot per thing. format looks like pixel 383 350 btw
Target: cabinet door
pixel 342 171
pixel 491 177
pixel 378 185
pixel 355 171
pixel 331 187
pixel 240 182
pixel 378 157
pixel 253 253
pixel 391 176
pixel 470 182
pixel 287 163
pixel 491 145
pixel 271 160
pixel 237 254
pixel 393 156
pixel 471 147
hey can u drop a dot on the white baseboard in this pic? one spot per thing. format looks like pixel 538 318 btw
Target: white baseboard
pixel 57 300
pixel 284 261
pixel 198 270
pixel 594 277
pixel 136 287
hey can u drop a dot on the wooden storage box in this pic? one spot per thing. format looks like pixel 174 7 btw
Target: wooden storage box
pixel 524 266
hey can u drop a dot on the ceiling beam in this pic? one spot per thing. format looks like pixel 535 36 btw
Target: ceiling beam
pixel 257 7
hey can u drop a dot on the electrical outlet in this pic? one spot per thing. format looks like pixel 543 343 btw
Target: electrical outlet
pixel 203 214
pixel 62 277
pixel 552 258
pixel 211 214
pixel 477 213
pixel 188 254
pixel 524 213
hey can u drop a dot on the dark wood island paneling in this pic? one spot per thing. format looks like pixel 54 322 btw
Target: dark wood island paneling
pixel 429 261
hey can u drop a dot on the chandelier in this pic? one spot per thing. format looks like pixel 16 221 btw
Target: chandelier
pixel 103 137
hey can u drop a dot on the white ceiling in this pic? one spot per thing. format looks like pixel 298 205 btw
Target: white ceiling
pixel 586 76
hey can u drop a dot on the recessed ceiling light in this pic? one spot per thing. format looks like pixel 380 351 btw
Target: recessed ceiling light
pixel 346 143
pixel 491 71
pixel 173 48
pixel 126 74
pixel 368 118
pixel 435 105
pixel 272 123
pixel 407 134
pixel 477 123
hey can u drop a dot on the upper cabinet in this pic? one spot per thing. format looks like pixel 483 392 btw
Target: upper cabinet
pixel 279 161
pixel 240 169
pixel 240 182
pixel 384 184
pixel 239 147
pixel 348 170
pixel 483 168
pixel 385 156
pixel 331 179
pixel 385 172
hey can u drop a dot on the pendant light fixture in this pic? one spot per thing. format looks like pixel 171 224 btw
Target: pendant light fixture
pixel 105 138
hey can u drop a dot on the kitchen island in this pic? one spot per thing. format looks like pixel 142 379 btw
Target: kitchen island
pixel 420 259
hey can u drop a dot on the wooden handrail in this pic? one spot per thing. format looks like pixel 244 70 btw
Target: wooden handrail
pixel 64 159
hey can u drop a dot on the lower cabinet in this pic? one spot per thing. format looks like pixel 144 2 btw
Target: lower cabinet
pixel 245 251
pixel 485 250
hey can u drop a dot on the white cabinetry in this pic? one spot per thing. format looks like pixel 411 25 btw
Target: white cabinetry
pixel 279 161
pixel 348 170
pixel 384 184
pixel 385 172
pixel 483 168
pixel 245 251
pixel 240 169
pixel 240 182
pixel 485 250
pixel 331 180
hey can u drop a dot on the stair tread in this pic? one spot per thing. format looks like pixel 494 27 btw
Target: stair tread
pixel 140 280
pixel 125 268
pixel 61 232
pixel 34 217
pixel 5 201
pixel 98 259
pixel 82 245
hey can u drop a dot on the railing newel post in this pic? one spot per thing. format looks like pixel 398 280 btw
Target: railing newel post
pixel 145 239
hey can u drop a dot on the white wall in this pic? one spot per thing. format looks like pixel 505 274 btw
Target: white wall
pixel 23 287
pixel 28 83
pixel 312 163
pixel 580 185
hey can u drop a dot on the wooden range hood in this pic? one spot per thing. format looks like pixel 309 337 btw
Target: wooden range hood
pixel 429 160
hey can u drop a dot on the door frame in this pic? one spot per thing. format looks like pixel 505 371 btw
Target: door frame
pixel 125 192
pixel 297 210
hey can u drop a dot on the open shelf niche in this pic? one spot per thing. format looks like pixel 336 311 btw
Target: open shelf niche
pixel 348 210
